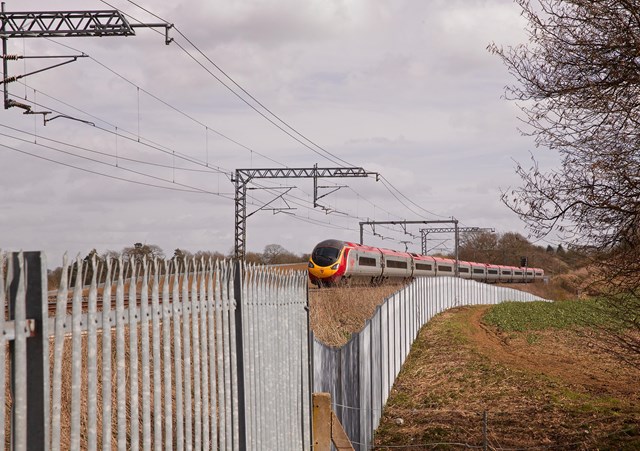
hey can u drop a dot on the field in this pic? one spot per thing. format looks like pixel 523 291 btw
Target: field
pixel 537 374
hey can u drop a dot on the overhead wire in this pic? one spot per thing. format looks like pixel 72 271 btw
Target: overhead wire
pixel 93 172
pixel 388 187
pixel 120 157
pixel 164 103
pixel 105 154
pixel 168 105
pixel 222 71
pixel 173 108
pixel 188 187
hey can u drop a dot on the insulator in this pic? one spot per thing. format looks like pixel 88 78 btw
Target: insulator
pixel 12 57
pixel 10 79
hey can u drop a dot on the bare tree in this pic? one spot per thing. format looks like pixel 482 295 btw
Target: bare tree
pixel 276 254
pixel 578 85
pixel 140 250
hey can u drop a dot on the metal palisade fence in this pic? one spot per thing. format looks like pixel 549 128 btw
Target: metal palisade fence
pixel 155 355
pixel 160 354
pixel 359 375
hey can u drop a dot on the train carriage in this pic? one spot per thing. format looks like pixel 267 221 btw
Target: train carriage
pixel 335 262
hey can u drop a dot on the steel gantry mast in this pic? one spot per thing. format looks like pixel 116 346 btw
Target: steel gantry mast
pixel 404 225
pixel 244 176
pixel 457 231
pixel 60 24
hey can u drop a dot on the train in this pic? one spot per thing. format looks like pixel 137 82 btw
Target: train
pixel 336 262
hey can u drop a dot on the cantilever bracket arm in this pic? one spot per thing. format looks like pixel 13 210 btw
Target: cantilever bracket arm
pixel 166 26
pixel 72 59
pixel 270 202
pixel 64 116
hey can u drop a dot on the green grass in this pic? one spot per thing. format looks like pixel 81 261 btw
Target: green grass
pixel 537 316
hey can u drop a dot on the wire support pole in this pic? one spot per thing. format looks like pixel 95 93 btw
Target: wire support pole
pixel 4 58
pixel 241 215
pixel 425 232
pixel 59 24
pixel 403 223
pixel 453 221
pixel 244 176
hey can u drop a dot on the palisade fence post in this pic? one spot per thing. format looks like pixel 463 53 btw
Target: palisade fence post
pixel 37 347
pixel 237 292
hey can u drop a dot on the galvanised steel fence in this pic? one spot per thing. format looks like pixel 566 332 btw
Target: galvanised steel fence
pixel 359 375
pixel 155 355
pixel 159 355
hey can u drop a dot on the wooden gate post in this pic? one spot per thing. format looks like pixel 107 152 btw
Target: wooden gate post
pixel 321 422
pixel 326 426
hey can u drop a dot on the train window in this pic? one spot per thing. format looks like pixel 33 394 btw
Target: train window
pixel 396 264
pixel 325 256
pixel 493 271
pixel 478 271
pixel 506 273
pixel 445 268
pixel 538 274
pixel 465 270
pixel 517 273
pixel 423 267
pixel 366 261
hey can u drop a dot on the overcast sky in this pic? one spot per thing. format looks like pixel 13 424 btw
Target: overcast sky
pixel 403 88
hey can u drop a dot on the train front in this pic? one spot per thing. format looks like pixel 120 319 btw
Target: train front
pixel 325 265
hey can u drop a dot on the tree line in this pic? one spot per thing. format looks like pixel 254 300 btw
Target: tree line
pixel 273 254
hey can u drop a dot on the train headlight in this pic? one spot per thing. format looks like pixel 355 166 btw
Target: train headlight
pixel 334 267
pixel 311 265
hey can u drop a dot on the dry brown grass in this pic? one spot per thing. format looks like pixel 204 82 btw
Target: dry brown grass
pixel 336 313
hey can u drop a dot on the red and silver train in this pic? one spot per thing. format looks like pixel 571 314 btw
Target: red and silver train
pixel 335 262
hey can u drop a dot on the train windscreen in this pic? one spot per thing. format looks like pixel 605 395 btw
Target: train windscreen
pixel 325 256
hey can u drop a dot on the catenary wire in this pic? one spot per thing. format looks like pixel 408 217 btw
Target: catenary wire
pixel 187 187
pixel 224 136
pixel 278 118
pixel 251 150
pixel 168 105
pixel 390 185
pixel 97 172
pixel 168 151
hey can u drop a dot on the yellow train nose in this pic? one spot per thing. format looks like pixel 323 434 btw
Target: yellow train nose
pixel 321 272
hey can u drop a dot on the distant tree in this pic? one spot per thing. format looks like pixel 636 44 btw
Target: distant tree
pixel 276 254
pixel 511 247
pixel 183 257
pixel 140 251
pixel 110 255
pixel 253 257
pixel 209 255
pixel 478 246
pixel 54 277
pixel 87 269
pixel 550 249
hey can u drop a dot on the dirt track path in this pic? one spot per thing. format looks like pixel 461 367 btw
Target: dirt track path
pixel 554 354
